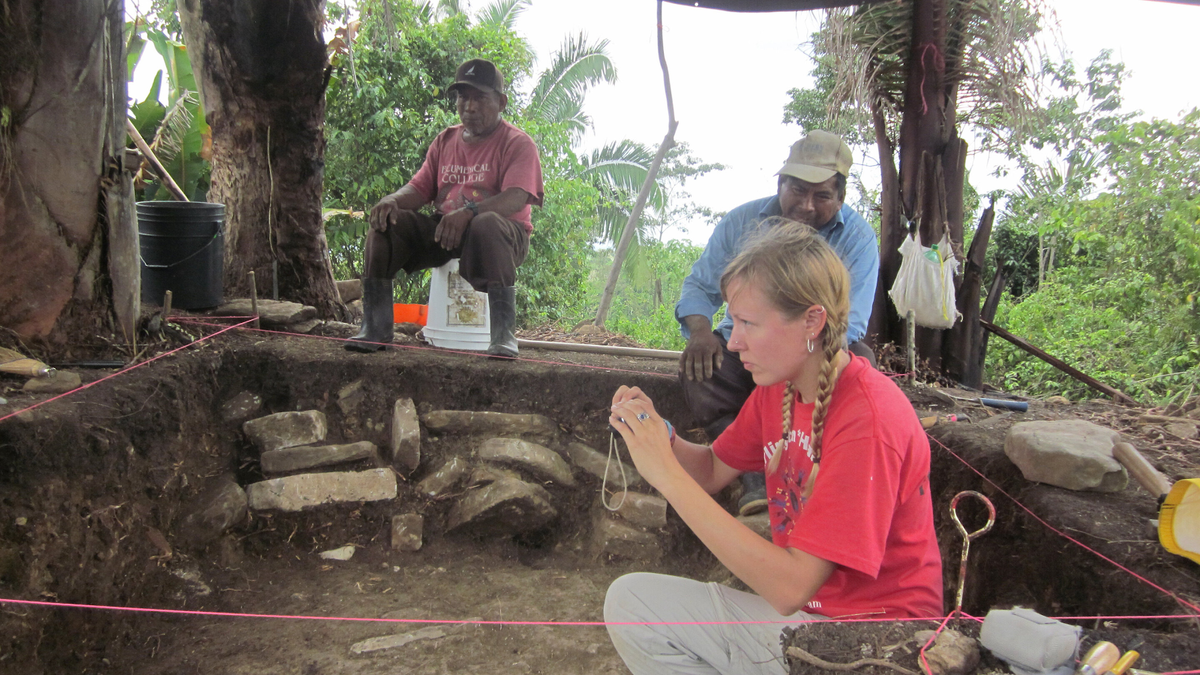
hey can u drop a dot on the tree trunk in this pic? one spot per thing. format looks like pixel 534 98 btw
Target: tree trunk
pixel 262 70
pixel 988 314
pixel 68 240
pixel 885 322
pixel 929 183
pixel 963 341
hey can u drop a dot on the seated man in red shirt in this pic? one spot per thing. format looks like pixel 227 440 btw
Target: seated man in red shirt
pixel 481 176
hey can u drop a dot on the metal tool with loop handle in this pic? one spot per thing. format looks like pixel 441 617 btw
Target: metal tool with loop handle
pixel 967 537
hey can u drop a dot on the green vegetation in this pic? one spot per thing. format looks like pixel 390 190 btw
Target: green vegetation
pixel 385 105
pixel 1121 271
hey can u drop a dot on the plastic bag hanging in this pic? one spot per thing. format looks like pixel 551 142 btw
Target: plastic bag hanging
pixel 925 283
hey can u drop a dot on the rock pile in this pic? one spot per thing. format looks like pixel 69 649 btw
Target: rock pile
pixel 484 474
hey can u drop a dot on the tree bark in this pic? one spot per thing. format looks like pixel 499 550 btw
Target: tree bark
pixel 963 341
pixel 68 242
pixel 885 322
pixel 262 69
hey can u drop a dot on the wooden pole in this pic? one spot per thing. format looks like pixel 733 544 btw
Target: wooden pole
pixel 1117 395
pixel 910 322
pixel 668 142
pixel 159 169
pixel 254 298
pixel 601 349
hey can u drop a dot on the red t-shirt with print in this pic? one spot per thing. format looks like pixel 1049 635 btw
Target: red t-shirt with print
pixel 870 512
pixel 455 172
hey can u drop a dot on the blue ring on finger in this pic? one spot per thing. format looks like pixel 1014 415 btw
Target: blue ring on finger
pixel 642 417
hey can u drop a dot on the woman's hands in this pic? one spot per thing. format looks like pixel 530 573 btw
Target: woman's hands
pixel 645 434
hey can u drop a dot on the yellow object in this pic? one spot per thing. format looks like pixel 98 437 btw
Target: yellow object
pixel 1099 659
pixel 16 363
pixel 1124 663
pixel 1179 520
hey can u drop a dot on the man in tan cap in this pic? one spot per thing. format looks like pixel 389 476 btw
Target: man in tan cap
pixel 481 176
pixel 811 190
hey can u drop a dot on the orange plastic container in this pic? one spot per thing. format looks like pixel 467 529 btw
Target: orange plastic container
pixel 410 313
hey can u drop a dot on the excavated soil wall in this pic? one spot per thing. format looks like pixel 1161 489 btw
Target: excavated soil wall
pixel 93 489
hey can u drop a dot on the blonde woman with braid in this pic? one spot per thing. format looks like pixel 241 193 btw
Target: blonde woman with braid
pixel 847 467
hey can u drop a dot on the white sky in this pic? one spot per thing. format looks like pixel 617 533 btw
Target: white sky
pixel 730 73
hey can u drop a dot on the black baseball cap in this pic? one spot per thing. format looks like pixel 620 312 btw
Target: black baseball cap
pixel 480 74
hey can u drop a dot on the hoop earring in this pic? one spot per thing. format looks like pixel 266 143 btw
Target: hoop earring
pixel 810 345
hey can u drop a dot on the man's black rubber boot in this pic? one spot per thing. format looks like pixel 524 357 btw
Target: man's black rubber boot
pixel 377 317
pixel 754 494
pixel 502 305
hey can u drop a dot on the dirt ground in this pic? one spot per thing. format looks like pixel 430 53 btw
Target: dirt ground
pixel 93 487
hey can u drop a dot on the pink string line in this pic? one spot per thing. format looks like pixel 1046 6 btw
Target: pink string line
pixel 1064 535
pixel 126 370
pixel 481 622
pixel 438 350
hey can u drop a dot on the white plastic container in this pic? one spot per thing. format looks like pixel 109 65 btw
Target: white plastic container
pixel 458 314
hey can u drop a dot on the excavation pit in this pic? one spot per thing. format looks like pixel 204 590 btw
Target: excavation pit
pixel 96 490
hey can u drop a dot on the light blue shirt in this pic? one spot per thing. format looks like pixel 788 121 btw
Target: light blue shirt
pixel 848 233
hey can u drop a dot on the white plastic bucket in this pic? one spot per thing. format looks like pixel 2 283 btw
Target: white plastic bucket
pixel 458 314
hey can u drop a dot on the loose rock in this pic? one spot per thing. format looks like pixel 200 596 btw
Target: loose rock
pixel 406 436
pixel 241 407
pixel 503 507
pixel 271 313
pixel 444 479
pixel 1072 454
pixel 287 429
pixel 303 457
pixel 392 641
pixel 407 531
pixel 294 493
pixel 60 382
pixel 349 290
pixel 952 653
pixel 343 553
pixel 350 397
pixel 641 510
pixel 612 538
pixel 541 461
pixel 219 508
pixel 489 423
pixel 595 462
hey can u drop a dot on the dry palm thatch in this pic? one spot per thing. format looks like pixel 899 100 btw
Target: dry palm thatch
pixel 990 62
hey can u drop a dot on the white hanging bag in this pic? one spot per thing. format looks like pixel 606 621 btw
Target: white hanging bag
pixel 925 283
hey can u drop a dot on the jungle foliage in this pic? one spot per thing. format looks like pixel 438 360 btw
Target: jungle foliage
pixel 386 103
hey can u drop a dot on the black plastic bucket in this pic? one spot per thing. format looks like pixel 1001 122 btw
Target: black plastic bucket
pixel 183 248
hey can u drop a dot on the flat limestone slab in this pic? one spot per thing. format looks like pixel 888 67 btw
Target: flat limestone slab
pixel 287 429
pixel 294 493
pixel 1071 454
pixel 539 460
pixel 489 423
pixel 304 457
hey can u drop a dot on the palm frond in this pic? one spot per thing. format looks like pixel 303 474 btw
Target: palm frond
pixel 176 123
pixel 990 59
pixel 577 65
pixel 502 13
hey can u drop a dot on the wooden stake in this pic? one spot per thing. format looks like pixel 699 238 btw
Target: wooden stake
pixel 253 298
pixel 910 320
pixel 159 169
pixel 166 311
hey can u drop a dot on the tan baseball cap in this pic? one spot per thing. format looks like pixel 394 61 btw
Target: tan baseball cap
pixel 817 156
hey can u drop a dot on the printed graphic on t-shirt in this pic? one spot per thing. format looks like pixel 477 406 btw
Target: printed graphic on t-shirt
pixel 784 486
pixel 453 195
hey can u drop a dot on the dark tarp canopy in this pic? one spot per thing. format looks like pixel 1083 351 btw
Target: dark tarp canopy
pixel 767 5
pixel 795 5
